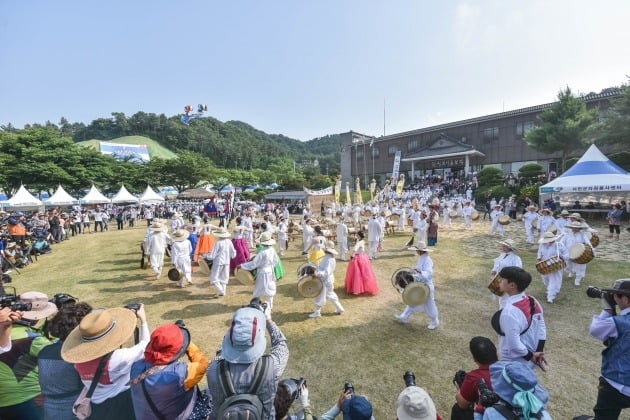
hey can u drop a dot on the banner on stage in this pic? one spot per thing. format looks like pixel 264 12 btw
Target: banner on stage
pixel 325 191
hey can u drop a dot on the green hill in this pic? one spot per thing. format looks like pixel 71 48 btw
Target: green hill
pixel 155 149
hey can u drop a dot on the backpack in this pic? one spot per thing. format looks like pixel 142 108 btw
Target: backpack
pixel 511 413
pixel 242 406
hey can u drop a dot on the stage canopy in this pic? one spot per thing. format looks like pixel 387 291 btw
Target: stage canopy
pixel 150 197
pixel 94 196
pixel 61 198
pixel 23 199
pixel 123 196
pixel 593 178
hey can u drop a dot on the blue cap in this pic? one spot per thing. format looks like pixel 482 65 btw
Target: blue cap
pixel 245 341
pixel 357 408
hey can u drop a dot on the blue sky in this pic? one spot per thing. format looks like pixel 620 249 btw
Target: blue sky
pixel 304 68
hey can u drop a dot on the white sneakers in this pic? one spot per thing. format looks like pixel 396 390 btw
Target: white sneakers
pixel 433 324
pixel 401 319
pixel 315 314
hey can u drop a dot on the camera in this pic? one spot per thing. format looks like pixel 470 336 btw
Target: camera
pixel 597 293
pixel 410 379
pixel 458 379
pixel 61 299
pixel 487 398
pixel 133 306
pixel 348 387
pixel 12 302
pixel 294 387
pixel 257 304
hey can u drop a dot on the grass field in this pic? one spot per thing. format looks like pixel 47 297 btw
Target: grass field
pixel 155 148
pixel 365 345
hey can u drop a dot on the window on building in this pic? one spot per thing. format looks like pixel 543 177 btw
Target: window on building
pixel 523 127
pixel 391 151
pixel 359 153
pixel 412 145
pixel 490 134
pixel 375 152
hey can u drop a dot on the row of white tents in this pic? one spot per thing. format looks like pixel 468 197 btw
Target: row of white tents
pixel 24 199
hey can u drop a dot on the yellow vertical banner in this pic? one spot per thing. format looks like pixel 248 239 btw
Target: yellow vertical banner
pixel 399 185
pixel 372 189
pixel 357 191
pixel 348 202
pixel 337 189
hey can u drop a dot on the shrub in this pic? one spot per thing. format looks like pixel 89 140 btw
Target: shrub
pixel 490 176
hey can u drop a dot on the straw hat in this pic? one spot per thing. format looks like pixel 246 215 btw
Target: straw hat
pixel 545 210
pixel 421 246
pixel 99 333
pixel 40 306
pixel 329 247
pixel 531 208
pixel 575 216
pixel 266 239
pixel 509 243
pixel 180 235
pixel 222 233
pixel 156 226
pixel 547 238
pixel 564 213
pixel 11 244
pixel 575 225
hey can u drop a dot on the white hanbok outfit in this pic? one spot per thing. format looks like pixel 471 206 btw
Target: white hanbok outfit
pixel 283 236
pixel 265 283
pixel 326 273
pixel 528 219
pixel 423 272
pixel 446 217
pixel 579 270
pixel 544 224
pixel 420 227
pixel 495 225
pixel 467 213
pixel 342 240
pixel 307 236
pixel 221 254
pixel 375 235
pixel 156 247
pixel 553 281
pixel 248 233
pixel 180 255
pixel 505 259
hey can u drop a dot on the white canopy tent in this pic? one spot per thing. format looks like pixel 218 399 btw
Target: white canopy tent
pixel 23 199
pixel 94 196
pixel 593 178
pixel 61 198
pixel 150 197
pixel 123 196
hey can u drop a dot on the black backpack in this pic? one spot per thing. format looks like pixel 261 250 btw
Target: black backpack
pixel 511 413
pixel 242 406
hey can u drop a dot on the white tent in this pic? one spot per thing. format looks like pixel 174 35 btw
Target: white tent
pixel 61 198
pixel 23 199
pixel 124 196
pixel 150 197
pixel 94 196
pixel 593 178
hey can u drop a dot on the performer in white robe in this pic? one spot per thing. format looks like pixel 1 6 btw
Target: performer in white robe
pixel 495 225
pixel 156 247
pixel 222 252
pixel 550 247
pixel 265 260
pixel 528 219
pixel 342 239
pixel 181 249
pixel 326 273
pixel 507 258
pixel 576 235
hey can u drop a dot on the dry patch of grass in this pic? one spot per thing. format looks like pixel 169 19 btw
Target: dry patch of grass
pixel 365 345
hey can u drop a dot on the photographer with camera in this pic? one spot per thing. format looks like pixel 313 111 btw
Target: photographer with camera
pixel 242 380
pixel 414 403
pixel 7 317
pixel 95 349
pixel 290 390
pixel 163 387
pixel 20 393
pixel 353 406
pixel 469 399
pixel 614 330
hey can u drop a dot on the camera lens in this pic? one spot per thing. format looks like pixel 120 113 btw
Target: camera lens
pixel 348 387
pixel 594 292
pixel 410 378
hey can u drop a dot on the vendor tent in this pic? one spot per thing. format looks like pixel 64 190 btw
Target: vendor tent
pixel 195 194
pixel 94 196
pixel 22 199
pixel 593 178
pixel 150 197
pixel 123 196
pixel 61 198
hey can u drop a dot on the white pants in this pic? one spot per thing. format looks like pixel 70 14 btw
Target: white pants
pixel 184 265
pixel 328 292
pixel 342 245
pixel 530 234
pixel 553 281
pixel 429 307
pixel 467 222
pixel 498 227
pixel 219 276
pixel 282 244
pixel 157 261
pixel 373 248
pixel 578 269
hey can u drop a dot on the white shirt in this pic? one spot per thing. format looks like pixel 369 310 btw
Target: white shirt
pixel 222 252
pixel 506 259
pixel 514 346
pixel 424 269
